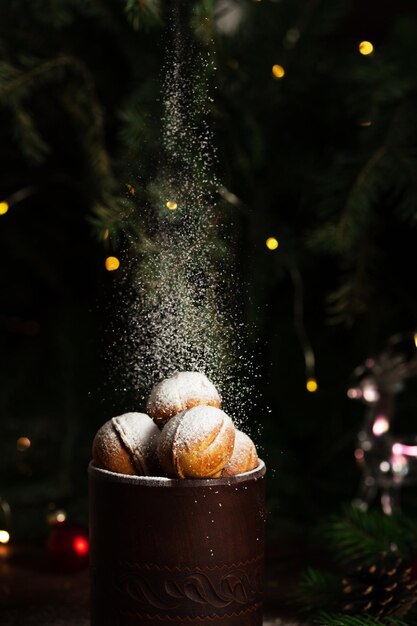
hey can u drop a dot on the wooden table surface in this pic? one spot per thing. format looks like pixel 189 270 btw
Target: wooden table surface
pixel 33 594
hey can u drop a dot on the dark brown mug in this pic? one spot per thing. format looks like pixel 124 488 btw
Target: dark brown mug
pixel 176 551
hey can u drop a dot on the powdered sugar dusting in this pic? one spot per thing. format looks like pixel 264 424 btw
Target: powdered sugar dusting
pixel 244 455
pixel 174 394
pixel 199 424
pixel 197 443
pixel 140 436
pixel 165 447
pixel 106 441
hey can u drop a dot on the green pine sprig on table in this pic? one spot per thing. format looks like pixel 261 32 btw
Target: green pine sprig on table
pixel 339 619
pixel 358 542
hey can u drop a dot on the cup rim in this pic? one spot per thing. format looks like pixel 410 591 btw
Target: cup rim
pixel 161 481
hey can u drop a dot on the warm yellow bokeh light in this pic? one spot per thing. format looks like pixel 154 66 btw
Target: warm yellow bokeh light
pixel 112 263
pixel 171 205
pixel 4 536
pixel 365 123
pixel 56 517
pixel 278 71
pixel 415 339
pixel 106 234
pixel 365 48
pixel 311 385
pixel 4 207
pixel 23 443
pixel 272 243
pixel 131 189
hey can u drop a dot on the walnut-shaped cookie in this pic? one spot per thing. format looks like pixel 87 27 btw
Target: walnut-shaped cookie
pixel 244 457
pixel 127 444
pixel 180 392
pixel 197 443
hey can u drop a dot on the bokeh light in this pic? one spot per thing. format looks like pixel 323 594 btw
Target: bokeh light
pixel 365 48
pixel 112 263
pixel 80 545
pixel 23 444
pixel 56 517
pixel 4 207
pixel 311 385
pixel 278 71
pixel 4 536
pixel 380 425
pixel 272 243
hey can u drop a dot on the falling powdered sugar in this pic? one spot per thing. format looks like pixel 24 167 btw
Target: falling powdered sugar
pixel 181 313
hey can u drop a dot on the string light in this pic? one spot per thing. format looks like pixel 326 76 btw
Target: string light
pixel 56 517
pixel 23 444
pixel 131 189
pixel 370 393
pixel 380 425
pixel 15 198
pixel 359 455
pixel 4 536
pixel 272 243
pixel 106 234
pixel 365 48
pixel 311 385
pixel 354 394
pixel 112 263
pixel 278 72
pixel 171 205
pixel 403 449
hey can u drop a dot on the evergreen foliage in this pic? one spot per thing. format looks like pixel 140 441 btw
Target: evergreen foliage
pixel 360 542
pixel 338 619
pixel 358 160
pixel 356 537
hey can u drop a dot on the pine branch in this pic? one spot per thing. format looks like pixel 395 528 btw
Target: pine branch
pixel 20 79
pixel 142 13
pixel 318 588
pixel 358 203
pixel 32 145
pixel 339 619
pixel 358 537
pixel 83 107
pixel 341 236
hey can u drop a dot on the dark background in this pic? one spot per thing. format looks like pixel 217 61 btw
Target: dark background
pixel 79 112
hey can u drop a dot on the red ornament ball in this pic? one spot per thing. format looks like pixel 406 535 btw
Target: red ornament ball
pixel 68 547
